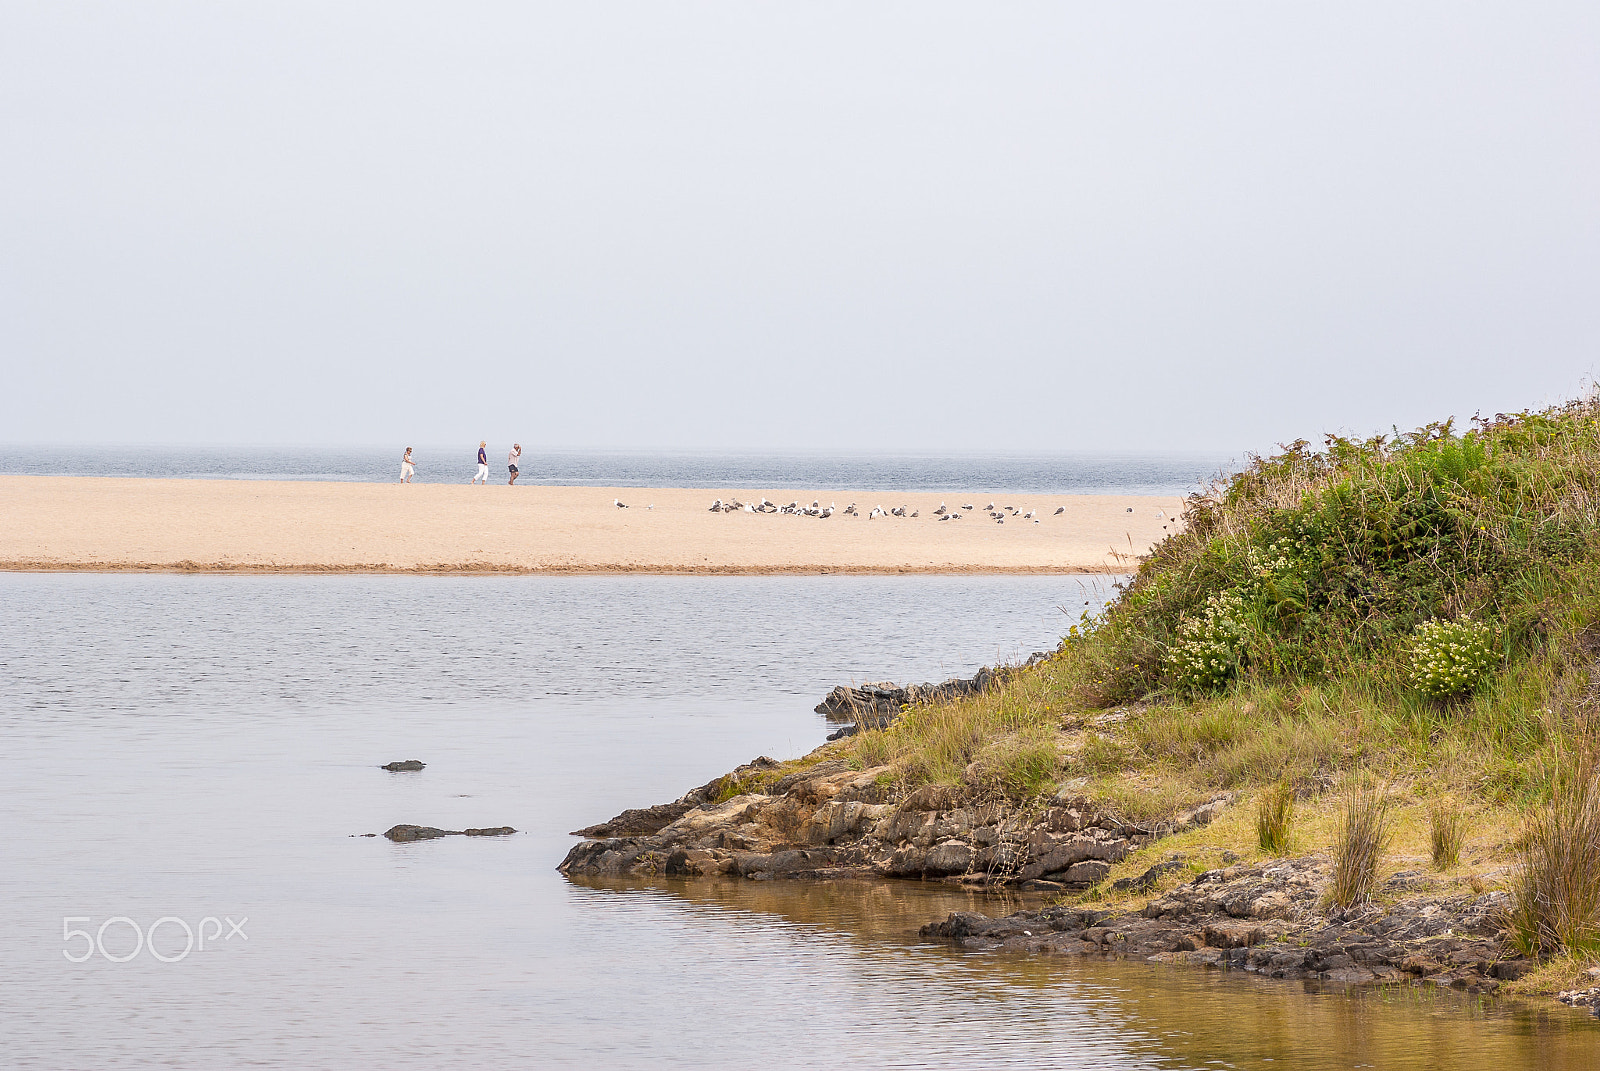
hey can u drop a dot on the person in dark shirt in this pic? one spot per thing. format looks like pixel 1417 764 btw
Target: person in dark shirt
pixel 483 464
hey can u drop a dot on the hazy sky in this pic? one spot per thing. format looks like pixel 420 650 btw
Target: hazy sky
pixel 982 226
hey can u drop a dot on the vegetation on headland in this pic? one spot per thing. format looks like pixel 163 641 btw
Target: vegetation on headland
pixel 1388 645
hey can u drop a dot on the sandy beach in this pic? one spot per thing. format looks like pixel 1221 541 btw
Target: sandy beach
pixel 85 523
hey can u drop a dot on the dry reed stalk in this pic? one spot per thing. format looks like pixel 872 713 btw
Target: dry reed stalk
pixel 1556 890
pixel 1274 813
pixel 1359 841
pixel 1447 834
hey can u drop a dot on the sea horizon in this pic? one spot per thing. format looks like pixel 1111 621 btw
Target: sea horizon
pixel 1105 472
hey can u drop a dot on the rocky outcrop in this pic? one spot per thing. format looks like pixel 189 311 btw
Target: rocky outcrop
pixel 849 703
pixel 1268 919
pixel 877 704
pixel 829 820
pixel 406 765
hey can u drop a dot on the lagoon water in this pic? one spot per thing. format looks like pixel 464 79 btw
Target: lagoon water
pixel 185 748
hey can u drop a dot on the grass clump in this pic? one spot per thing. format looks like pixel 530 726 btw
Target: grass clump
pixel 1274 813
pixel 1447 834
pixel 1360 837
pixel 1556 891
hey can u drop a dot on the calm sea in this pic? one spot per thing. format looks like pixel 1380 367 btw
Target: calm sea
pixel 1165 474
pixel 198 754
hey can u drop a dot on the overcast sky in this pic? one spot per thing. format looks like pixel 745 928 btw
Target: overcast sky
pixel 915 226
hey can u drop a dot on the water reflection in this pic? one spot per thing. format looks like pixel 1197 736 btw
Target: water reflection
pixel 1012 1009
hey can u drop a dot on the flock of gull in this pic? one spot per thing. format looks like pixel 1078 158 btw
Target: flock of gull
pixel 998 514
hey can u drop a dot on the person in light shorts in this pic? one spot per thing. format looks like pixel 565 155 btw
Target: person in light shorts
pixel 483 464
pixel 407 469
pixel 511 462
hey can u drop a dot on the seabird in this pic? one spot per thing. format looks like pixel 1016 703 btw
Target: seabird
pixel 1130 509
pixel 1059 511
pixel 619 503
pixel 940 512
pixel 1028 516
pixel 716 507
pixel 915 512
pixel 967 505
pixel 990 506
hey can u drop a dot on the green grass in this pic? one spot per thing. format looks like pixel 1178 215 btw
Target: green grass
pixel 1421 611
pixel 1274 816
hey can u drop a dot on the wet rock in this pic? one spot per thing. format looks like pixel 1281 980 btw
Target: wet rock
pixel 398 767
pixel 1265 919
pixel 403 833
pixel 877 704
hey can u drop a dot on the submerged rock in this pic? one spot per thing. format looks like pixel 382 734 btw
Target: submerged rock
pixel 409 832
pixel 402 833
pixel 408 764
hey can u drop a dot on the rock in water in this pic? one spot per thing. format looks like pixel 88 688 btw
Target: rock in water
pixel 408 764
pixel 407 832
pixel 403 833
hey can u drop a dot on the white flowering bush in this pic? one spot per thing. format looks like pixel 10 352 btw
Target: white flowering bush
pixel 1208 648
pixel 1450 658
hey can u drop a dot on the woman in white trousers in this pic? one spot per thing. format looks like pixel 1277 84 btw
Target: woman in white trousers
pixel 483 464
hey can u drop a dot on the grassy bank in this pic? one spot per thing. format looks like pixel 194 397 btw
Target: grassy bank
pixel 1384 648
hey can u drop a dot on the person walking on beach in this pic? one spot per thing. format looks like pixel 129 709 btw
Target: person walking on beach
pixel 483 463
pixel 511 462
pixel 407 469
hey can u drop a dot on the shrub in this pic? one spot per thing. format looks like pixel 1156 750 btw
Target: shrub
pixel 1274 812
pixel 1451 658
pixel 1208 648
pixel 1359 840
pixel 1447 834
pixel 1556 887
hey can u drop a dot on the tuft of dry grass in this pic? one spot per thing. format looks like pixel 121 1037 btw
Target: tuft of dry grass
pixel 1556 888
pixel 1361 835
pixel 1274 814
pixel 1447 833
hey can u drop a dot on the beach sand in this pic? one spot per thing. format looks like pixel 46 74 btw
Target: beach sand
pixel 86 523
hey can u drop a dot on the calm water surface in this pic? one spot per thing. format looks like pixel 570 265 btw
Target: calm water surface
pixel 194 747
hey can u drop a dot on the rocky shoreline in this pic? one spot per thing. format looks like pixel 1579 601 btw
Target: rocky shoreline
pixel 821 819
pixel 1269 918
pixel 827 820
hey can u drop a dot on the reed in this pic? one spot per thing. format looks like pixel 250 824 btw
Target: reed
pixel 1447 833
pixel 1360 837
pixel 1274 813
pixel 1556 889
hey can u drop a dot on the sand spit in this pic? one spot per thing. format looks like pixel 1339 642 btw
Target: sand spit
pixel 250 526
